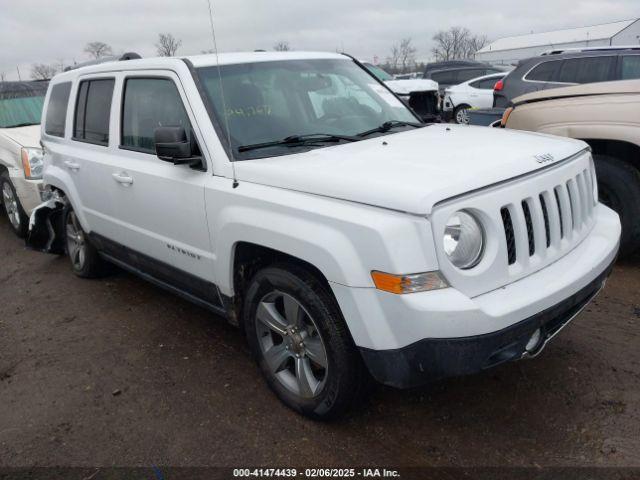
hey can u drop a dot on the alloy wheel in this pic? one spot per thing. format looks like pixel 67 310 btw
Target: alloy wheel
pixel 11 205
pixel 291 345
pixel 76 242
pixel 462 116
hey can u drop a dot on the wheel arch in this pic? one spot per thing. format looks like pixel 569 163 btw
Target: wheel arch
pixel 58 179
pixel 623 150
pixel 249 258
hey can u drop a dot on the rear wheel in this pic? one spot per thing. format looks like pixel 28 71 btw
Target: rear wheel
pixel 18 219
pixel 301 343
pixel 85 260
pixel 461 114
pixel 619 189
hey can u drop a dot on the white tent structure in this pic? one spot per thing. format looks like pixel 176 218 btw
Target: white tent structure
pixel 508 50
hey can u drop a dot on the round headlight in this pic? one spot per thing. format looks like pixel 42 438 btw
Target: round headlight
pixel 463 240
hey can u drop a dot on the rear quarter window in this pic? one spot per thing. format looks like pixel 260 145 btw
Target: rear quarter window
pixel 544 72
pixel 57 109
pixel 630 67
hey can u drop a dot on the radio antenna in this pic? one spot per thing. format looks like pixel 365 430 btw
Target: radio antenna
pixel 224 103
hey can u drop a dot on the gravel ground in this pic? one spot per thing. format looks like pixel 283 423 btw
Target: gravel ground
pixel 118 372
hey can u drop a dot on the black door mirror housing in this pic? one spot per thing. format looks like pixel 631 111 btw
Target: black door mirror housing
pixel 173 145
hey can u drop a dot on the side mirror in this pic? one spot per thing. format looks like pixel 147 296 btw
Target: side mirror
pixel 172 145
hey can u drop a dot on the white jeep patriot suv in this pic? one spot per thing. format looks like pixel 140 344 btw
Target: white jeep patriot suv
pixel 297 195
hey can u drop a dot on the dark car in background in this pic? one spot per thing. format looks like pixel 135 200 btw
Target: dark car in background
pixel 561 68
pixel 455 72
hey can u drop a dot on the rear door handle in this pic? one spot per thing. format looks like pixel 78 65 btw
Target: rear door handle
pixel 122 178
pixel 72 165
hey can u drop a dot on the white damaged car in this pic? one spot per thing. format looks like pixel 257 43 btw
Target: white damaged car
pixel 20 152
pixel 421 95
pixel 290 194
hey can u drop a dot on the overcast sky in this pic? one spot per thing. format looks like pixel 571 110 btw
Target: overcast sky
pixel 47 31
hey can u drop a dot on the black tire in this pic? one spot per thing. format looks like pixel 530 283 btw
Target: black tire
pixel 345 379
pixel 91 264
pixel 619 189
pixel 19 221
pixel 459 109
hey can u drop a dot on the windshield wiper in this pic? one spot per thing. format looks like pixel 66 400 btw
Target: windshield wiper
pixel 296 140
pixel 386 126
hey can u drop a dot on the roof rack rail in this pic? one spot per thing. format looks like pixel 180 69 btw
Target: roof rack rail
pixel 560 51
pixel 112 58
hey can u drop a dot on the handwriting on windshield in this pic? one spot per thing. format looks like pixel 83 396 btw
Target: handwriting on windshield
pixel 251 111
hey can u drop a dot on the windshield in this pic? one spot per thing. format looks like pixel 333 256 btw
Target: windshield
pixel 270 101
pixel 21 103
pixel 378 72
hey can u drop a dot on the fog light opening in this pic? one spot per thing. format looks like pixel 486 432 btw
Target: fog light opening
pixel 534 341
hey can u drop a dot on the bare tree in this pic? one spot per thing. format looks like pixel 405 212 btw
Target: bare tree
pixel 475 43
pixel 40 71
pixel 407 54
pixel 282 46
pixel 60 65
pixel 2 76
pixel 393 60
pixel 457 43
pixel 98 49
pixel 167 45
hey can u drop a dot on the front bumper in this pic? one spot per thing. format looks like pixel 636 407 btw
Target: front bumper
pixel 432 359
pixel 410 339
pixel 30 192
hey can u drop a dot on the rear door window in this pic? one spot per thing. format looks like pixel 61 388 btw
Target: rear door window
pixel 630 67
pixel 149 103
pixel 543 72
pixel 93 111
pixel 57 110
pixel 586 69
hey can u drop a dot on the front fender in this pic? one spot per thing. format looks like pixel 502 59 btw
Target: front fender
pixel 344 240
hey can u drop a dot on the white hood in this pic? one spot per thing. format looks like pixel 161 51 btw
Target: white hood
pixel 413 170
pixel 405 87
pixel 24 136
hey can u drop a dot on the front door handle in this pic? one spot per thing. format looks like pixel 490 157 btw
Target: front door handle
pixel 123 178
pixel 72 165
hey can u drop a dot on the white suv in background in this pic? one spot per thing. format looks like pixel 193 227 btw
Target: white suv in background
pixel 20 152
pixel 475 93
pixel 296 195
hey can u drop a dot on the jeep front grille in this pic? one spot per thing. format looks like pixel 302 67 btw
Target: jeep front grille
pixel 531 224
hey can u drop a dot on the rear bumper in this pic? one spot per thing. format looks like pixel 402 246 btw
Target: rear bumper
pixel 432 359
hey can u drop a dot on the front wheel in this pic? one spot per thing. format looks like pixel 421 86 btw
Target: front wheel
pixel 18 219
pixel 301 343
